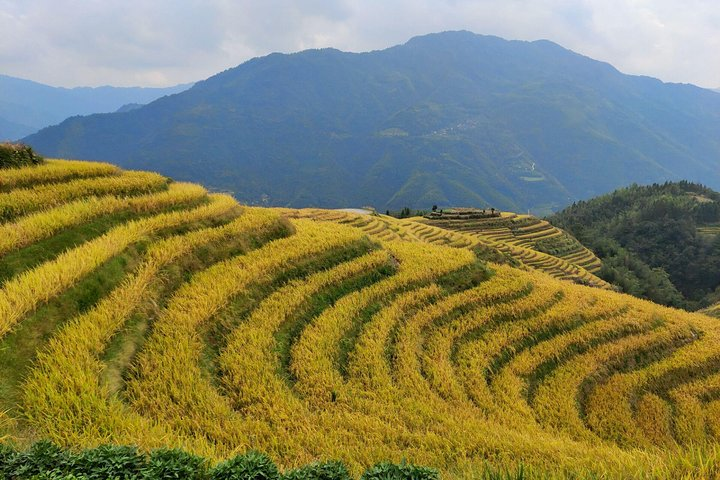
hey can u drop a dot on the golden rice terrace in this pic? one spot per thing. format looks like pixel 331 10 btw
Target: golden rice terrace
pixel 136 310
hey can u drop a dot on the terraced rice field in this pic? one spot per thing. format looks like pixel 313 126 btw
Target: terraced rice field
pixel 467 234
pixel 710 230
pixel 172 317
pixel 528 232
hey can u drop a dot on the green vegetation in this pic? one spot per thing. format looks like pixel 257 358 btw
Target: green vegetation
pixel 15 155
pixel 46 461
pixel 387 470
pixel 655 242
pixel 405 212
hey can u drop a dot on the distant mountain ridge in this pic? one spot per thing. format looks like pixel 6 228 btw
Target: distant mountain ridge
pixel 128 107
pixel 450 119
pixel 27 106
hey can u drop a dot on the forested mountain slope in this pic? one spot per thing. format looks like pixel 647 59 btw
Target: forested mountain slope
pixel 658 241
pixel 451 119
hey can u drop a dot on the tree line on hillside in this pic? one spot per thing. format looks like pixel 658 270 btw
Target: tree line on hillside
pixel 648 240
pixel 406 212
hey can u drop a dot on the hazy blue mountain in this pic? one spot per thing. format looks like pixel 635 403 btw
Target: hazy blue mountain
pixel 10 130
pixel 26 106
pixel 129 106
pixel 450 119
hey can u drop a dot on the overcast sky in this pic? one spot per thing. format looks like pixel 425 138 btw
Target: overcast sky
pixel 165 42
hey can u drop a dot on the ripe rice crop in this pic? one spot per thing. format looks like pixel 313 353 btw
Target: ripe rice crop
pixel 316 351
pixel 514 233
pixel 437 364
pixel 22 201
pixel 70 363
pixel 31 228
pixel 54 171
pixel 23 293
pixel 306 339
pixel 170 358
pixel 250 381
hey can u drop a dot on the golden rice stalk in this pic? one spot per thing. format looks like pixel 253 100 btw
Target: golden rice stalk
pixel 21 294
pixel 25 200
pixel 63 397
pixel 314 356
pixel 31 228
pixel 169 385
pixel 248 363
pixel 54 171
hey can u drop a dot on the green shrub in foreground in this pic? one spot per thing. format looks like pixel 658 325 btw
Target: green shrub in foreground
pixel 332 470
pixel 108 461
pixel 171 464
pixel 251 466
pixel 43 458
pixel 7 460
pixel 403 471
pixel 46 461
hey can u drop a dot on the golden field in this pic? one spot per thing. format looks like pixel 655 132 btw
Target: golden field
pixel 136 310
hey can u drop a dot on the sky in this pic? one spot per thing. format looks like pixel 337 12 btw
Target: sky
pixel 166 42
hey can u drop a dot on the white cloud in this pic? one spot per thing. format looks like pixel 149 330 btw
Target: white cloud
pixel 135 42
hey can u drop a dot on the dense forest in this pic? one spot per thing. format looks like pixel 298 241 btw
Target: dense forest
pixel 658 242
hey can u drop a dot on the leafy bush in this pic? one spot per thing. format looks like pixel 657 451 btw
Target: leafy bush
pixel 109 461
pixel 42 458
pixel 46 461
pixel 7 460
pixel 13 155
pixel 60 476
pixel 332 470
pixel 251 466
pixel 403 471
pixel 173 463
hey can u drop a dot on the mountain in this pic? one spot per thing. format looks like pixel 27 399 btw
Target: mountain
pixel 128 107
pixel 11 130
pixel 26 106
pixel 452 118
pixel 660 242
